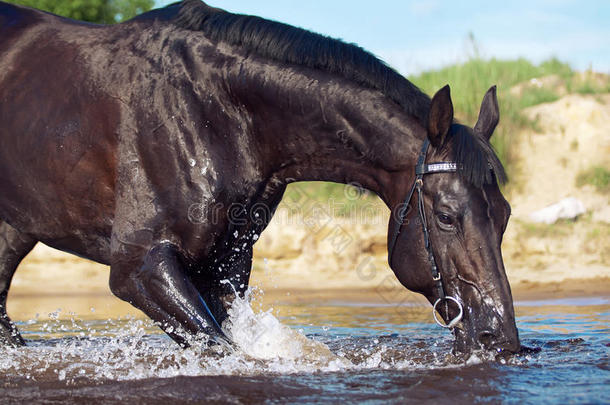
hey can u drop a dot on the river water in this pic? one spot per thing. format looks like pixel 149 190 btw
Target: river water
pixel 311 352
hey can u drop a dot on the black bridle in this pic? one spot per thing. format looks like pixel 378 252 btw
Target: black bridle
pixel 421 169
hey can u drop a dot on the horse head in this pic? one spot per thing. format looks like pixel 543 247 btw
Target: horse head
pixel 444 240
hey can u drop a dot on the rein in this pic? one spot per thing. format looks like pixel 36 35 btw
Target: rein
pixel 421 169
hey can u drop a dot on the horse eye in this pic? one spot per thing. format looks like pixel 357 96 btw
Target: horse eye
pixel 445 219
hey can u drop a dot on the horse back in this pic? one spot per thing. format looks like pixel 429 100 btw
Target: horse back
pixel 57 133
pixel 101 123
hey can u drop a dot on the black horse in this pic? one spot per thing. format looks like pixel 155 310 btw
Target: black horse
pixel 110 135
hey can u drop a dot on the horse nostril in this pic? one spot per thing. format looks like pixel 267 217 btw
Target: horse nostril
pixel 486 338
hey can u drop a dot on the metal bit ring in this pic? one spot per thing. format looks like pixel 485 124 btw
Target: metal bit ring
pixel 455 320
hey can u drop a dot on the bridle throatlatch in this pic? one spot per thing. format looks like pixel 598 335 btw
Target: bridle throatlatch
pixel 422 169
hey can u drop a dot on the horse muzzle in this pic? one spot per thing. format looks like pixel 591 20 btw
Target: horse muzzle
pixel 486 331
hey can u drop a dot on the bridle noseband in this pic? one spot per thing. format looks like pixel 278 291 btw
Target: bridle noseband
pixel 421 169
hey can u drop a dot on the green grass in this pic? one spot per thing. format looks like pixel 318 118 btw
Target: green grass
pixel 336 199
pixel 588 83
pixel 535 96
pixel 589 87
pixel 598 239
pixel 597 176
pixel 559 229
pixel 470 80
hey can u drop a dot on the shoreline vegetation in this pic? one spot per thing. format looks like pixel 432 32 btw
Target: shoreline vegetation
pixel 328 241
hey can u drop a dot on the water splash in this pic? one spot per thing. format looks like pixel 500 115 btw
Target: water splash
pixel 134 349
pixel 371 351
pixel 262 336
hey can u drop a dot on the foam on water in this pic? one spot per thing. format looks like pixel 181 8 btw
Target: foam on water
pixel 362 354
pixel 132 349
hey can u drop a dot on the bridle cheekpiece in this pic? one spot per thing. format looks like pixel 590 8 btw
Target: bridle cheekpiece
pixel 421 169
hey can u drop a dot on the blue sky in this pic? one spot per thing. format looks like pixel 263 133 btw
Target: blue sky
pixel 415 35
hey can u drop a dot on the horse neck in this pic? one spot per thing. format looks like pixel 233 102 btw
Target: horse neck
pixel 314 127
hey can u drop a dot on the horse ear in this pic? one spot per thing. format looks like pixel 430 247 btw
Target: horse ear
pixel 489 116
pixel 440 117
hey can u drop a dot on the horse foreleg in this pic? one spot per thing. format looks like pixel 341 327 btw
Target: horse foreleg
pixel 160 288
pixel 14 246
pixel 220 283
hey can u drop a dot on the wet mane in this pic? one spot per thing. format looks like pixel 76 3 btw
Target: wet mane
pixel 285 43
pixel 288 44
pixel 478 163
